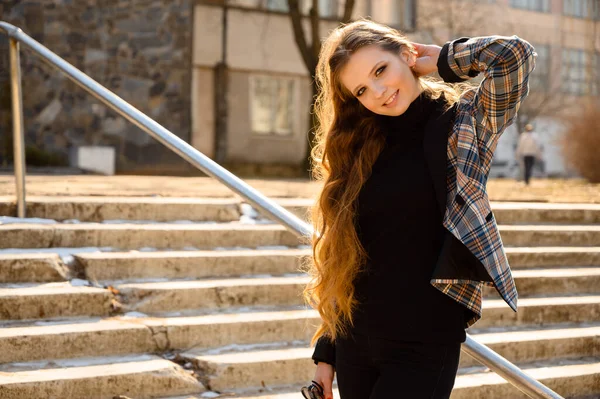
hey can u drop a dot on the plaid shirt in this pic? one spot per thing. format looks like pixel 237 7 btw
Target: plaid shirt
pixel 482 114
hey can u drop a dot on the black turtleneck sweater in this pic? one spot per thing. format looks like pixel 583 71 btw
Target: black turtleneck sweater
pixel 400 226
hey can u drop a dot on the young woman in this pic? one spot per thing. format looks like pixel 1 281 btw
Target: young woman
pixel 405 237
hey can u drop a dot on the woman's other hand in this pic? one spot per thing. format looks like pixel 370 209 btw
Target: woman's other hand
pixel 427 58
pixel 324 376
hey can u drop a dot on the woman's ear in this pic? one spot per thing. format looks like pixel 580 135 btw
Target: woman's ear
pixel 410 57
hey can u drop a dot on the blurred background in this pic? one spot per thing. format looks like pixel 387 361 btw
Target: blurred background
pixel 233 78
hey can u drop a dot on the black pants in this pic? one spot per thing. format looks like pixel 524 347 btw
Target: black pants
pixel 373 368
pixel 529 161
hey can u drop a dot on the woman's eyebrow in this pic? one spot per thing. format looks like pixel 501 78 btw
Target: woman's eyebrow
pixel 370 73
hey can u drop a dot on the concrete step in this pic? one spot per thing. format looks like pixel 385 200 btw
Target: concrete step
pixel 143 376
pixel 33 268
pixel 540 311
pixel 153 297
pixel 573 379
pixel 546 213
pixel 552 256
pixel 97 209
pixel 28 341
pixel 528 346
pixel 548 236
pixel 135 236
pixel 292 365
pixel 102 266
pixel 125 335
pixel 189 264
pixel 212 293
pixel 75 338
pixel 33 301
pixel 504 212
pixel 555 281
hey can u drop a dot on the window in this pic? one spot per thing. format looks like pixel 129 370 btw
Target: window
pixel 396 13
pixel 534 5
pixel 272 104
pixel 540 77
pixel 582 8
pixel 276 5
pixel 579 72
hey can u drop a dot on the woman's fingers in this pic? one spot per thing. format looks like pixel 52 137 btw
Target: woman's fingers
pixel 427 57
pixel 327 385
pixel 417 46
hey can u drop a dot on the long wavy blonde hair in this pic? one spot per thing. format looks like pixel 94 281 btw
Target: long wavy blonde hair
pixel 348 141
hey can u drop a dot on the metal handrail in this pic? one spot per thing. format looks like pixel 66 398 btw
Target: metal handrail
pixel 480 352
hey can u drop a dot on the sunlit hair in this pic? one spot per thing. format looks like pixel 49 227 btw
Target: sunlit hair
pixel 348 141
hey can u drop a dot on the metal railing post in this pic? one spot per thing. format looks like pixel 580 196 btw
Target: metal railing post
pixel 17 118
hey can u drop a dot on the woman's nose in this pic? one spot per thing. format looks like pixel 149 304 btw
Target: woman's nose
pixel 379 91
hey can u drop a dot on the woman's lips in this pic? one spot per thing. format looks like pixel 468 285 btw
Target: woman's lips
pixel 392 100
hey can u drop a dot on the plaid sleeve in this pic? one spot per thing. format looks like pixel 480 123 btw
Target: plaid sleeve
pixel 506 63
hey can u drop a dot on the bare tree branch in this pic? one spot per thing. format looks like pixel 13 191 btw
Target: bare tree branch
pixel 315 33
pixel 299 36
pixel 348 8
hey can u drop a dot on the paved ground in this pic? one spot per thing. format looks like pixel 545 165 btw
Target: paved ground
pixel 542 190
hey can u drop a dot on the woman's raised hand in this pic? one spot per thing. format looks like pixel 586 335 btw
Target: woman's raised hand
pixel 427 58
pixel 324 376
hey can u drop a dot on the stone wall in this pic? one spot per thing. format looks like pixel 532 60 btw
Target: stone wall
pixel 139 49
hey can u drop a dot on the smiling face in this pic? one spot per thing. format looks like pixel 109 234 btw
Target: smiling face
pixel 381 80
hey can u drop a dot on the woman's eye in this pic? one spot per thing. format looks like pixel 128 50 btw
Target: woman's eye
pixel 379 71
pixel 360 91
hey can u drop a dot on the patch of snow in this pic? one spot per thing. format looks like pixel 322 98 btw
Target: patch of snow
pixel 248 210
pixel 66 254
pixel 76 282
pixel 133 315
pixel 13 220
pixel 231 248
pixel 140 221
pixel 244 219
pixel 148 249
pixel 304 247
pixel 71 221
pixel 68 260
pixel 54 322
pixel 294 275
pixel 265 221
pixel 256 276
pixel 254 347
pixel 278 247
pixel 210 394
pixel 109 221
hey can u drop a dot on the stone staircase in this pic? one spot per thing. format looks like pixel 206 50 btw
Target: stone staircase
pixel 187 298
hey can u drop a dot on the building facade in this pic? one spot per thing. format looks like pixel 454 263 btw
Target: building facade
pixel 268 92
pixel 227 76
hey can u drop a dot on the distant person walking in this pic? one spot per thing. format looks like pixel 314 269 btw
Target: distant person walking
pixel 528 150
